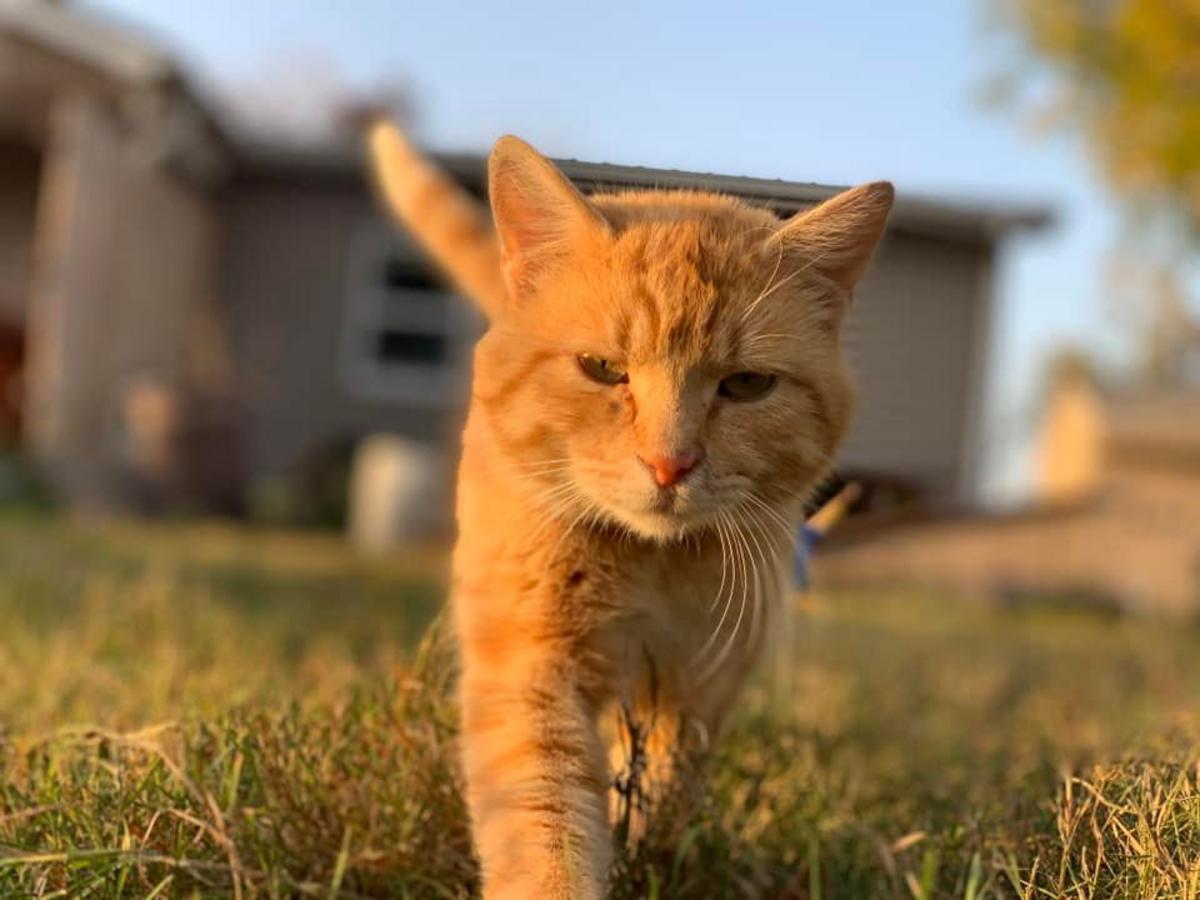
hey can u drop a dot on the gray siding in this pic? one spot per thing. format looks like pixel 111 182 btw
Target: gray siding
pixel 289 253
pixel 915 338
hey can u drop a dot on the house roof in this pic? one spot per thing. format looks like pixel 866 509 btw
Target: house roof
pixel 128 59
pixel 952 220
pixel 70 50
pixel 116 52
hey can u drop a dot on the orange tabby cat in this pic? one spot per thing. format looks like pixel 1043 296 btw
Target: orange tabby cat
pixel 660 384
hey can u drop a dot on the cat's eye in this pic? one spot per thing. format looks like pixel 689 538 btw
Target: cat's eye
pixel 746 386
pixel 602 370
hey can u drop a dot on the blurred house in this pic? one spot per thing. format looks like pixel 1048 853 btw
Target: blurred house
pixel 109 257
pixel 1116 521
pixel 192 316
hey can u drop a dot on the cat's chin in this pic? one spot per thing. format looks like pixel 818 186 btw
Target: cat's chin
pixel 659 517
pixel 662 527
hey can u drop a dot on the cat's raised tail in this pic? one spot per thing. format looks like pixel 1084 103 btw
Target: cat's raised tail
pixel 449 223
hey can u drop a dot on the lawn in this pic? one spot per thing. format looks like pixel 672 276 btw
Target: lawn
pixel 199 710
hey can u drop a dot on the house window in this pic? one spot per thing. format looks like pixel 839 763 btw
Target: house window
pixel 406 334
pixel 396 346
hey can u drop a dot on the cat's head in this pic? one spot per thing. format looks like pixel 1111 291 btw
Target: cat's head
pixel 667 360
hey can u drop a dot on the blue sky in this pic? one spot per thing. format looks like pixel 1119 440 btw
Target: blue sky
pixel 831 92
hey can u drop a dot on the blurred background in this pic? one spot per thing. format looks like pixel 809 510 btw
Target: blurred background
pixel 203 313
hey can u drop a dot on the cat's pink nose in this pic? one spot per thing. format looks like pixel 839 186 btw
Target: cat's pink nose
pixel 668 471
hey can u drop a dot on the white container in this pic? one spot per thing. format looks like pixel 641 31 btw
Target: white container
pixel 396 492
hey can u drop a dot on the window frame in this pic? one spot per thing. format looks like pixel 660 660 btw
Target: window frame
pixel 371 309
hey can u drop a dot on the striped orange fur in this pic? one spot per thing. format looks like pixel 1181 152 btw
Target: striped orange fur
pixel 660 385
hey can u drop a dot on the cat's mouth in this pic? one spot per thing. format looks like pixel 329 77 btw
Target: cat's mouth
pixel 665 501
pixel 653 512
pixel 666 515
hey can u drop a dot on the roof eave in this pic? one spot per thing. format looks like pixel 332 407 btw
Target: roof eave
pixel 977 222
pixel 87 41
pixel 134 73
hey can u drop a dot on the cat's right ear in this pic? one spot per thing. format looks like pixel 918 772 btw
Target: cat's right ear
pixel 838 237
pixel 538 213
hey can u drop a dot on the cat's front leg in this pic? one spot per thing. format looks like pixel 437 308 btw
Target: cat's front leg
pixel 536 778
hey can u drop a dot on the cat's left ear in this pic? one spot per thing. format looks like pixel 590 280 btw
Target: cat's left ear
pixel 837 238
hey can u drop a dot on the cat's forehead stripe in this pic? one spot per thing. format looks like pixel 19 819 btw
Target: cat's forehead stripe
pixel 683 302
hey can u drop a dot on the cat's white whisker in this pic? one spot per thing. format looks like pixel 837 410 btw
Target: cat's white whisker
pixel 773 288
pixel 553 517
pixel 749 571
pixel 714 635
pixel 724 564
pixel 787 529
pixel 769 557
pixel 533 482
pixel 770 280
pixel 554 500
pixel 588 512
pixel 787 279
pixel 770 336
pixel 537 463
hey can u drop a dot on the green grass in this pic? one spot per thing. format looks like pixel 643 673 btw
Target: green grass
pixel 203 711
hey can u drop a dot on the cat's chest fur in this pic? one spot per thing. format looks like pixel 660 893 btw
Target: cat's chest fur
pixel 690 615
